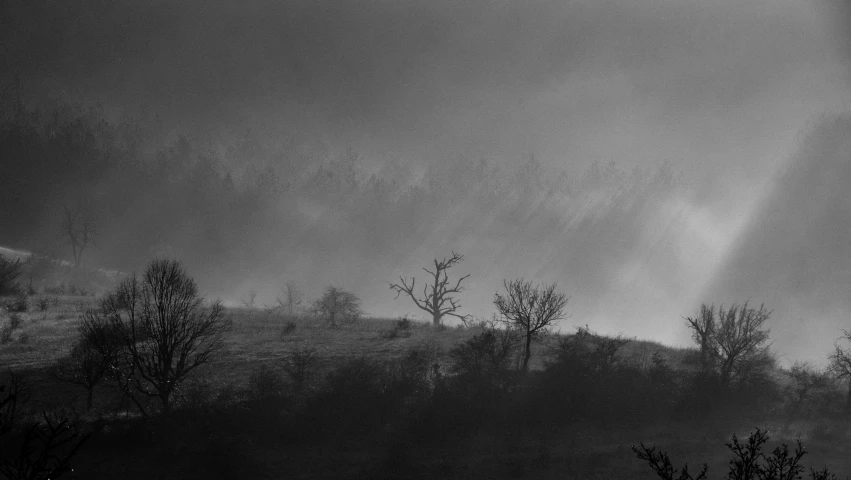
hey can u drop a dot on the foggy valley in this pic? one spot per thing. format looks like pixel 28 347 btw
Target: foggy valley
pixel 225 222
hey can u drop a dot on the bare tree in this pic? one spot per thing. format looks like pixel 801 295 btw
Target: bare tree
pixel 438 297
pixel 166 331
pixel 84 366
pixel 531 309
pixel 291 298
pixel 79 230
pixel 840 363
pixel 733 342
pixel 337 304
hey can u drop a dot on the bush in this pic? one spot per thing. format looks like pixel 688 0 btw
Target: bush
pixel 401 329
pixel 43 303
pixel 288 328
pixel 748 462
pixel 20 303
pixel 300 366
pixel 10 270
pixel 264 384
pixel 9 328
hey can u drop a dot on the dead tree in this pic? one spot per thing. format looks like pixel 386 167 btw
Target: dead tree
pixel 840 364
pixel 531 309
pixel 438 297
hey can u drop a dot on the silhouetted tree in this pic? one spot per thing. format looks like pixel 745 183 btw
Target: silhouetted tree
pixel 530 309
pixel 438 297
pixel 78 229
pixel 165 328
pixel 337 304
pixel 840 363
pixel 733 342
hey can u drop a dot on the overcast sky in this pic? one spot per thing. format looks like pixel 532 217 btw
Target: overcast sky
pixel 722 89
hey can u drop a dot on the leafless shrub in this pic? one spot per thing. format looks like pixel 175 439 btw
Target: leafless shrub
pixel 748 463
pixel 43 303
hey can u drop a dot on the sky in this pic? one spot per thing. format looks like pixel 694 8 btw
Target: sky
pixel 724 90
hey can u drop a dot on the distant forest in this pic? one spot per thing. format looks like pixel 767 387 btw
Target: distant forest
pixel 244 205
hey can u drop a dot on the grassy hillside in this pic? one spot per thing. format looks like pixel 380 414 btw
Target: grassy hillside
pixel 246 437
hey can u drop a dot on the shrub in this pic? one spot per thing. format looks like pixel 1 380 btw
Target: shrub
pixel 288 328
pixel 264 383
pixel 748 462
pixel 300 365
pixel 401 329
pixel 19 303
pixel 43 303
pixel 10 270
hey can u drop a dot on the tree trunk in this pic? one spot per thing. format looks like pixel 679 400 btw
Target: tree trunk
pixel 435 319
pixel 89 395
pixel 527 353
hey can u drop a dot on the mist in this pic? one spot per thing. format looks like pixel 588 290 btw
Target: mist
pixel 647 156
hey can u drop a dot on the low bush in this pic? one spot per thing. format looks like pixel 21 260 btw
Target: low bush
pixel 748 462
pixel 19 303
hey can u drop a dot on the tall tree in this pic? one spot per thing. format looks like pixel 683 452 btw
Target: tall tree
pixel 438 297
pixel 531 309
pixel 167 331
pixel 733 341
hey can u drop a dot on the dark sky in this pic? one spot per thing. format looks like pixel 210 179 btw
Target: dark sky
pixel 722 89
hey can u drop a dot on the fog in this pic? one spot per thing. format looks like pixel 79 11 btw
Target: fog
pixel 737 103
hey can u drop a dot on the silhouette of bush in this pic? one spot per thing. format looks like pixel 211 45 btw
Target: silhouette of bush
pixel 43 303
pixel 401 329
pixel 20 302
pixel 748 462
pixel 36 450
pixel 288 328
pixel 265 384
pixel 300 366
pixel 486 358
pixel 10 270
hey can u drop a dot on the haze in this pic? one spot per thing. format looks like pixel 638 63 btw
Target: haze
pixel 741 103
